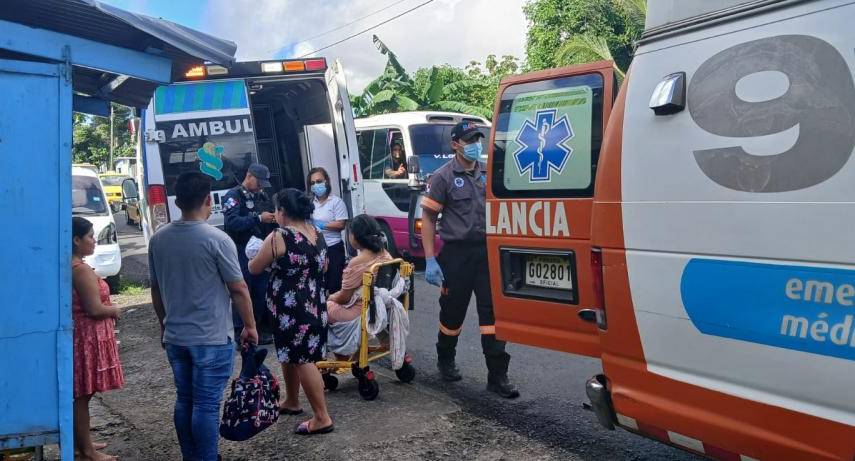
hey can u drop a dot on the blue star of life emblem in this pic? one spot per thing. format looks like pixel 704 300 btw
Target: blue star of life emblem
pixel 542 148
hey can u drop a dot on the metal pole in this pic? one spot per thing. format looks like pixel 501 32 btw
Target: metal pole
pixel 110 165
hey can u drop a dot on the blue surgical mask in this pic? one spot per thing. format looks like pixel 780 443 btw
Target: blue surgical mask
pixel 472 152
pixel 319 190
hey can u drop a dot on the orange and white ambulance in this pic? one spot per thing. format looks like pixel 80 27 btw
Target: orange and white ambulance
pixel 696 232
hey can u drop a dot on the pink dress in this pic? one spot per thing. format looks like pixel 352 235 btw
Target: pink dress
pixel 352 280
pixel 96 354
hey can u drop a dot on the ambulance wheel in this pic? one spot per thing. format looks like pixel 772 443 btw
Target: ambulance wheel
pixel 368 386
pixel 390 240
pixel 330 382
pixel 407 372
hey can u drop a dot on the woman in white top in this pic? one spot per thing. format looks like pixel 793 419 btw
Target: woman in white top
pixel 330 218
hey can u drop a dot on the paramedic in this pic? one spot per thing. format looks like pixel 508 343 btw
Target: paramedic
pixel 458 191
pixel 330 218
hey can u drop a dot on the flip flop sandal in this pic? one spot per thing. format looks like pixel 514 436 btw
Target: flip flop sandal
pixel 303 429
pixel 285 411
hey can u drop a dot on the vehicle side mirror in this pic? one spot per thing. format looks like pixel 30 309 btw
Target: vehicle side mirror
pixel 414 170
pixel 129 190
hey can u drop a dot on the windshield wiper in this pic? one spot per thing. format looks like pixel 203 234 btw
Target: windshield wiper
pixel 81 210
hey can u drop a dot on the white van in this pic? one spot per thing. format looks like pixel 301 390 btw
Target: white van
pixel 426 135
pixel 290 115
pixel 89 201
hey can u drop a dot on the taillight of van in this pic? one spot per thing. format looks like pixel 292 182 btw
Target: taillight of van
pixel 599 289
pixel 158 206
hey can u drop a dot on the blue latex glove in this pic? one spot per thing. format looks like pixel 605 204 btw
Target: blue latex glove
pixel 319 224
pixel 433 273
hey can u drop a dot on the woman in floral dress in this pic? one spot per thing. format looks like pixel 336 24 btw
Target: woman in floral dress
pixel 96 355
pixel 296 255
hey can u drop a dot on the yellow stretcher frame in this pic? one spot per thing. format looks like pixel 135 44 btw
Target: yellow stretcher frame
pixel 367 385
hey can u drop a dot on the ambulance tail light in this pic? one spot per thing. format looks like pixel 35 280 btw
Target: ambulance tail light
pixel 316 64
pixel 158 206
pixel 599 287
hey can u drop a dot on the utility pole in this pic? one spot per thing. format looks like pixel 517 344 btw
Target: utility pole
pixel 110 165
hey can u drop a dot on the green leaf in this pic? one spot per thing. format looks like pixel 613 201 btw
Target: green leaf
pixel 406 103
pixel 435 90
pixel 455 106
pixel 585 48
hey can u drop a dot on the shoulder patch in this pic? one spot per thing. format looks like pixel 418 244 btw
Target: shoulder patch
pixel 229 203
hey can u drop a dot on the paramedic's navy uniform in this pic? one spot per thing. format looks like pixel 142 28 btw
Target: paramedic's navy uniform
pixel 460 196
pixel 241 209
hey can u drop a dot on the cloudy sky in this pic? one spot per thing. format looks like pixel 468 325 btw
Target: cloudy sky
pixel 440 32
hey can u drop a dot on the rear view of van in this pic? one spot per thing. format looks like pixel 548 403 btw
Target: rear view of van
pixel 288 115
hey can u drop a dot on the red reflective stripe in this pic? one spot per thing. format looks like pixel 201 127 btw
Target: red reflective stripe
pixel 355 173
pixel 488 329
pixel 431 204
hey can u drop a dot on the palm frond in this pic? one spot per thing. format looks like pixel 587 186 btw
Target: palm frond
pixel 463 108
pixel 584 48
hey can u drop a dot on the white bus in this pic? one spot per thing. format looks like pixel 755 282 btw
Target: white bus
pixel 387 198
pixel 290 115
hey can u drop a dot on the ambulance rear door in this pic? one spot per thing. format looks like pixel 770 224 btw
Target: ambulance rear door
pixel 344 130
pixel 547 132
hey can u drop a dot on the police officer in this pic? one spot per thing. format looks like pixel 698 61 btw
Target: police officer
pixel 458 191
pixel 248 212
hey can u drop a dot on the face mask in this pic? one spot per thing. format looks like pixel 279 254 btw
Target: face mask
pixel 472 152
pixel 319 190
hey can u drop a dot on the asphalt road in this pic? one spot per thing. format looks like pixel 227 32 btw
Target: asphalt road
pixel 548 418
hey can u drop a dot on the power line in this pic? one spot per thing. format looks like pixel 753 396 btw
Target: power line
pixel 368 29
pixel 322 34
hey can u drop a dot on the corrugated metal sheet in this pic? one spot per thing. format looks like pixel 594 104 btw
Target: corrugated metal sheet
pixel 93 20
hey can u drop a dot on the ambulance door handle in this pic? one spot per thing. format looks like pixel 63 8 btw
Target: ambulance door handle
pixel 588 315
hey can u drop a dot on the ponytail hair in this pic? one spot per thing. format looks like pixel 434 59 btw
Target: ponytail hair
pixel 368 233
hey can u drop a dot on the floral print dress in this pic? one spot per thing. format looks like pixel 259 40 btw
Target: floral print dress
pixel 296 297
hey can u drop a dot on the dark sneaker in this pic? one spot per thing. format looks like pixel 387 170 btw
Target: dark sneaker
pixel 502 387
pixel 448 371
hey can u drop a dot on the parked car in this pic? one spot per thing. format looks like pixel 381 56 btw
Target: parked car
pixel 89 201
pixel 131 202
pixel 112 183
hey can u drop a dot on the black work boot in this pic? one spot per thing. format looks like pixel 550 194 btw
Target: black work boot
pixel 448 370
pixel 498 383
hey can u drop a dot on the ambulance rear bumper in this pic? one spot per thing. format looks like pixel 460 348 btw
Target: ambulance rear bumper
pixel 601 401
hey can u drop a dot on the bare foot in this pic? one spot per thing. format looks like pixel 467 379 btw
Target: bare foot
pixel 95 445
pixel 98 456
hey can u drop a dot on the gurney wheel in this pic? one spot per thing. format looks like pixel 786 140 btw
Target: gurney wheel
pixel 407 372
pixel 330 381
pixel 368 388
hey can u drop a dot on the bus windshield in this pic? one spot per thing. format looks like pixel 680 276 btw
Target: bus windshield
pixel 432 143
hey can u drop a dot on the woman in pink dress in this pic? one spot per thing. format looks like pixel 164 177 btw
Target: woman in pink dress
pixel 96 355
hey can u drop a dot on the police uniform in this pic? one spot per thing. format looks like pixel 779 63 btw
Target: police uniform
pixel 242 212
pixel 460 196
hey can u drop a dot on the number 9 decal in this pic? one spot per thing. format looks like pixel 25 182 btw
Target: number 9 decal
pixel 820 100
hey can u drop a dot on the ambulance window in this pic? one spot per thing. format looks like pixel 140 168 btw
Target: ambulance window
pixel 547 138
pixel 236 152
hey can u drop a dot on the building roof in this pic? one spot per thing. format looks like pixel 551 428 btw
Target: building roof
pixel 98 22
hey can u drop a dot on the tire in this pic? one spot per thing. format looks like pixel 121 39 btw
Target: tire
pixel 368 389
pixel 113 282
pixel 390 240
pixel 407 373
pixel 330 382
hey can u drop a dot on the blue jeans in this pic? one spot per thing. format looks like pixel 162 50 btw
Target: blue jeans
pixel 201 374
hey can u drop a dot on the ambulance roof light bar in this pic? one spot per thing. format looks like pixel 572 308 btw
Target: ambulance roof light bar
pixel 250 69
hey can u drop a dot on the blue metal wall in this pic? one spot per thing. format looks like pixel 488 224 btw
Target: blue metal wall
pixel 35 248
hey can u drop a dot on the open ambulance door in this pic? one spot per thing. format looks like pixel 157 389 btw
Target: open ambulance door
pixel 345 136
pixel 546 138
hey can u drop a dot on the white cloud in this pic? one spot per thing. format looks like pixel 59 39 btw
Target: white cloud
pixel 442 32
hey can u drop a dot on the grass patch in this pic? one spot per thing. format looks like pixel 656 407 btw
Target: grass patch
pixel 129 288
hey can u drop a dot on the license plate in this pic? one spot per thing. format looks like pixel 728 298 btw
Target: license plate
pixel 549 272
